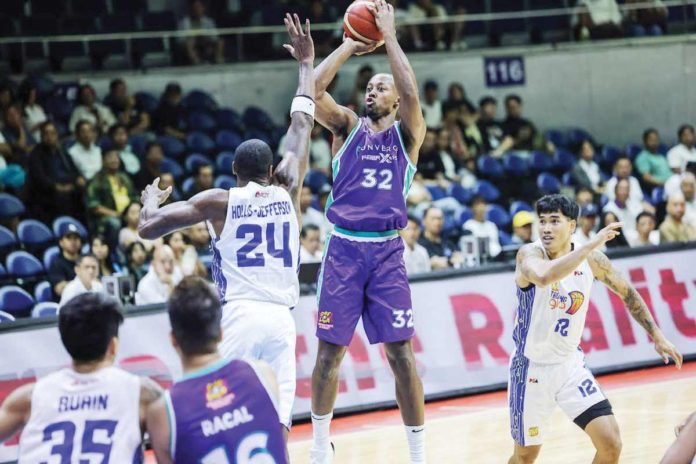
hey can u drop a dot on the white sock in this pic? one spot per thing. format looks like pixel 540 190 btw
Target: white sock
pixel 320 429
pixel 415 434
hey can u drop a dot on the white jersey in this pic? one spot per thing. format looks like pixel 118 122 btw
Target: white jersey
pixel 86 418
pixel 256 257
pixel 551 319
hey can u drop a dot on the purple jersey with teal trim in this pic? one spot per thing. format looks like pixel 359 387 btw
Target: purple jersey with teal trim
pixel 372 174
pixel 222 415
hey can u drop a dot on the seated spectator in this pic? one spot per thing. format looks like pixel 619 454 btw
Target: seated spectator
pixel 599 19
pixel 136 257
pixel 430 165
pixel 622 170
pixel 100 249
pixel 688 189
pixel 119 142
pixel 86 154
pixel 482 228
pixel 310 244
pixel 203 179
pixel 17 135
pixel 7 96
pixel 89 109
pixel 151 169
pixel 522 223
pixel 185 256
pixel 126 109
pixel 674 228
pixel 200 239
pixel 625 208
pixel 584 196
pixel 472 136
pixel 431 105
pixel 650 163
pixel 129 231
pixel 588 223
pixel 620 240
pixel 586 172
pixel 452 172
pixel 647 20
pixel 457 142
pixel 85 281
pixel 416 257
pixel 160 279
pixel 309 214
pixel 320 151
pixel 684 153
pixel 491 129
pixel 431 36
pixel 33 113
pixel 201 48
pixel 418 194
pixel 442 251
pixel 521 131
pixel 54 186
pixel 108 196
pixel 645 233
pixel 456 93
pixel 170 114
pixel 62 269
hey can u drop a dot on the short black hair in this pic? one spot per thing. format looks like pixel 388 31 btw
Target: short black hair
pixel 430 85
pixel 115 83
pixel 557 202
pixel 478 199
pixel 106 152
pixel 412 218
pixel 80 123
pixel 683 128
pixel 197 168
pixel 45 124
pixel 647 132
pixel 151 145
pixel 622 157
pixel 194 313
pixel 487 100
pixel 308 228
pixel 430 208
pixel 84 256
pixel 513 97
pixel 115 127
pixel 252 159
pixel 646 214
pixel 87 323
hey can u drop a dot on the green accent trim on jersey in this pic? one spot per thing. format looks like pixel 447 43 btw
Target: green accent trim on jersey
pixel 172 423
pixel 408 178
pixel 403 146
pixel 345 144
pixel 204 370
pixel 353 233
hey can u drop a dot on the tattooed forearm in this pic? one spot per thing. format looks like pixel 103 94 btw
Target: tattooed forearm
pixel 639 310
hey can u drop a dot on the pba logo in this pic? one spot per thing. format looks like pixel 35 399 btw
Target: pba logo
pixel 533 431
pixel 218 395
pixel 533 380
pixel 325 320
pixel 576 299
pixel 261 194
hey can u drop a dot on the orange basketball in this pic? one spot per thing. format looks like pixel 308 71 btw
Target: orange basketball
pixel 359 23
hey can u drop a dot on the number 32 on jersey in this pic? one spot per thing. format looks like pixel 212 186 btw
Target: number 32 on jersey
pixel 382 179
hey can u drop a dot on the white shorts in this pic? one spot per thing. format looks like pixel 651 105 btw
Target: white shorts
pixel 266 331
pixel 535 389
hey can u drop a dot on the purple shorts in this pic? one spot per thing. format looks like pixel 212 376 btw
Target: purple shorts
pixel 368 279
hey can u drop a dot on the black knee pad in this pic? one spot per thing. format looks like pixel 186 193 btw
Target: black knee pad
pixel 603 408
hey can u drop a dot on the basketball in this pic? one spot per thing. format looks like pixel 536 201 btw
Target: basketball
pixel 359 23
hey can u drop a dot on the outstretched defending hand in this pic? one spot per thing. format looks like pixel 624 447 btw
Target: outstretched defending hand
pixel 302 48
pixel 384 17
pixel 152 191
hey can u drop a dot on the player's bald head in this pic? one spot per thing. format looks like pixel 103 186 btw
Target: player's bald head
pixel 253 160
pixel 383 78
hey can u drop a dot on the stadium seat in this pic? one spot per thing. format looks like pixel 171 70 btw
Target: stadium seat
pixel 257 118
pixel 44 85
pixel 608 156
pixel 435 192
pixel 8 242
pixel 567 179
pixel 633 150
pixel 138 144
pixel 563 160
pixel 112 54
pixel 504 238
pixel 199 142
pixel 59 107
pixel 199 100
pixel 228 140
pixel 154 51
pixel 556 137
pixel 450 224
pixel 49 255
pixel 23 265
pixel 89 7
pixel 229 119
pixel 5 278
pixel 63 221
pixel 490 167
pixel 16 301
pixel 315 180
pixel 45 309
pixel 517 206
pixel 172 147
pixel 43 292
pixel 514 165
pixel 663 148
pixel 541 162
pixel 459 193
pixel 225 182
pixel 6 317
pixel 199 121
pixel 465 215
pixel 548 183
pixel 146 101
pixel 194 160
pixel 223 162
pixel 10 206
pixel 498 216
pixel 488 191
pixel 34 235
pixel 658 196
pixel 254 133
pixel 548 28
pixel 104 143
pixel 576 136
pixel 187 185
pixel 172 167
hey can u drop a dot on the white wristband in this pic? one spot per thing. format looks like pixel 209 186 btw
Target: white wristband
pixel 304 104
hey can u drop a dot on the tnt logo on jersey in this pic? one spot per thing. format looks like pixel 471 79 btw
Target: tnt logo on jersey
pixel 557 300
pixel 325 320
pixel 218 395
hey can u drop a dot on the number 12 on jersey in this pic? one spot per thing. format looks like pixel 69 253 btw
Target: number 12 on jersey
pixel 246 256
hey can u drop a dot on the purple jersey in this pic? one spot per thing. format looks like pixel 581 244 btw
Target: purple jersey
pixel 224 414
pixel 372 174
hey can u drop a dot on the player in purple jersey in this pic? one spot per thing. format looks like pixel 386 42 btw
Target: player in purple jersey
pixel 221 411
pixel 363 272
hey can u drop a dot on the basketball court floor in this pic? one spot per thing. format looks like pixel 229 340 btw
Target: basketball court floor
pixel 648 404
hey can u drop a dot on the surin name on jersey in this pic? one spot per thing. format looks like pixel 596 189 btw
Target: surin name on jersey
pixel 226 421
pixel 78 402
pixel 277 208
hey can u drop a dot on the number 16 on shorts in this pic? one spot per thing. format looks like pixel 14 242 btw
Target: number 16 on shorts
pixel 402 318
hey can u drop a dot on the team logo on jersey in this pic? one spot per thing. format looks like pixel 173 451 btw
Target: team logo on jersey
pixel 325 320
pixel 218 395
pixel 533 431
pixel 576 301
pixel 557 300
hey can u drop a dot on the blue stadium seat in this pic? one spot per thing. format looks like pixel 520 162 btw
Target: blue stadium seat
pixel 34 235
pixel 172 167
pixel 498 216
pixel 194 160
pixel 63 221
pixel 172 146
pixel 44 85
pixel 199 100
pixel 229 119
pixel 199 142
pixel 59 107
pixel 8 241
pixel 228 140
pixel 459 193
pixel 632 150
pixel 6 317
pixel 23 265
pixel 49 255
pixel 567 179
pixel 138 143
pixel 187 185
pixel 576 136
pixel 488 191
pixel 225 182
pixel 223 162
pixel 514 165
pixel 548 183
pixel 10 206
pixel 489 167
pixel 315 180
pixel 563 160
pixel 517 206
pixel 43 292
pixel 5 278
pixel 608 156
pixel 450 224
pixel 465 215
pixel 557 137
pixel 663 148
pixel 257 118
pixel 45 309
pixel 104 142
pixel 504 238
pixel 89 7
pixel 254 133
pixel 146 101
pixel 199 121
pixel 658 196
pixel 541 162
pixel 435 192
pixel 114 24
